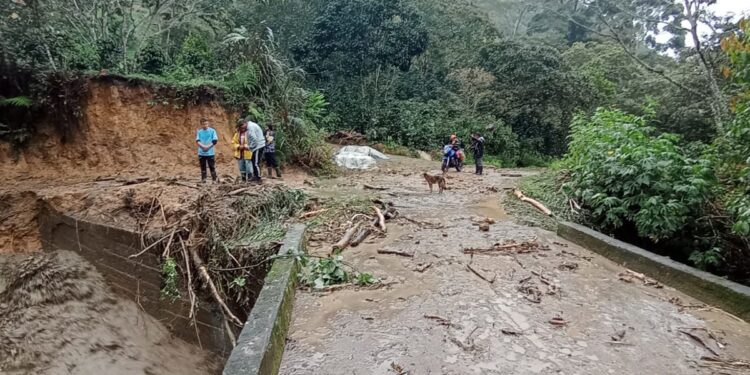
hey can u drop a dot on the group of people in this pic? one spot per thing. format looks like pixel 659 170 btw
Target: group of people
pixel 477 150
pixel 249 144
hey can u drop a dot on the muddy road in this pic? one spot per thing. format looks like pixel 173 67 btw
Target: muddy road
pixel 549 307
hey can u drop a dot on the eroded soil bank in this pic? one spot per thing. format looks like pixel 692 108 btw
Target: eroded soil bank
pixel 58 316
pixel 551 306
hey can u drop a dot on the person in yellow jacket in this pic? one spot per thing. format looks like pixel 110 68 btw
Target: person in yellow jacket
pixel 242 151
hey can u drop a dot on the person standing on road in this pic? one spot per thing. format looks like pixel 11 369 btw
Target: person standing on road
pixel 242 151
pixel 270 151
pixel 477 148
pixel 206 139
pixel 257 142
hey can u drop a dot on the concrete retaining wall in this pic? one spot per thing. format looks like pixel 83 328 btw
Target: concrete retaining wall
pixel 261 344
pixel 711 289
pixel 108 248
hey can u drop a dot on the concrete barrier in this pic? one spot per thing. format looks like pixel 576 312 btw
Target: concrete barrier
pixel 108 248
pixel 711 289
pixel 261 344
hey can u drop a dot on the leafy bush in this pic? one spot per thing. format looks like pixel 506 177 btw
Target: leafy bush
pixel 622 172
pixel 195 55
pixel 152 59
pixel 318 273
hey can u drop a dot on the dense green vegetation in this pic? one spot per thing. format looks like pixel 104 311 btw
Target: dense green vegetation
pixel 650 115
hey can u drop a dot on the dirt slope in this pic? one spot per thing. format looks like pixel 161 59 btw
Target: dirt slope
pixel 126 128
pixel 128 131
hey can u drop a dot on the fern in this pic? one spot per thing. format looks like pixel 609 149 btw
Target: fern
pixel 17 101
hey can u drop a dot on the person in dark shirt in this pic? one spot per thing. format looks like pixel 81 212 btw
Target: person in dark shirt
pixel 269 153
pixel 477 148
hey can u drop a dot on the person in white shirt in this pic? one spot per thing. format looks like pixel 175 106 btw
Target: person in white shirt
pixel 257 141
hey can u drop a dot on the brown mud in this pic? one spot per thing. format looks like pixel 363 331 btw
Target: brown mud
pixel 58 316
pixel 553 307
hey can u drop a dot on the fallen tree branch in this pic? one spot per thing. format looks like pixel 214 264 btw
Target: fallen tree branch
pixel 481 276
pixel 135 181
pixel 230 334
pixel 312 213
pixel 396 252
pixel 238 191
pixel 533 202
pixel 203 271
pixel 149 247
pixel 699 340
pixel 381 219
pixel 344 241
pixel 361 236
pixel 371 187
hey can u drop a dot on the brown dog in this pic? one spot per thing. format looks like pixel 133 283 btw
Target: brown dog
pixel 432 180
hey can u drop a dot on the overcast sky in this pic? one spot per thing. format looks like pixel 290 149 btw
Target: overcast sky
pixel 738 8
pixel 732 6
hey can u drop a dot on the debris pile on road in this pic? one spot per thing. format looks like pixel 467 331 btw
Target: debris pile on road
pixel 361 226
pixel 508 248
pixel 345 137
pixel 629 277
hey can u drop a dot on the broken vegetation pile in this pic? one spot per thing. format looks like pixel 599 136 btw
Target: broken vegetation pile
pixel 222 245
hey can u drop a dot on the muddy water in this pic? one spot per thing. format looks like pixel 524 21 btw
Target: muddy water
pixel 491 328
pixel 58 316
pixel 490 207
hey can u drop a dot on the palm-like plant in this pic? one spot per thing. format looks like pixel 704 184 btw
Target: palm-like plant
pixel 17 101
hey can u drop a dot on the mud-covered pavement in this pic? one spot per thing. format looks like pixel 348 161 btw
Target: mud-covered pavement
pixel 436 316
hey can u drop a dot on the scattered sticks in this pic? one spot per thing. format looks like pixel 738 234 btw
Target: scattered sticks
pixel 481 274
pixel 396 252
pixel 507 249
pixel 629 276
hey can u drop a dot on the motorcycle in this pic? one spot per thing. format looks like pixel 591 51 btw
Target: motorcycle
pixel 452 158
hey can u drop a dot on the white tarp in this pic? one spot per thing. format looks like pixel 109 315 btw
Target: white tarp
pixel 364 150
pixel 353 160
pixel 358 157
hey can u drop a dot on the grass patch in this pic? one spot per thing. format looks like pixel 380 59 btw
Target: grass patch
pixel 397 149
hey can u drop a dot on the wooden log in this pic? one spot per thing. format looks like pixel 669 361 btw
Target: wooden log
pixel 381 218
pixel 203 272
pixel 371 187
pixel 312 213
pixel 361 236
pixel 344 241
pixel 532 202
pixel 396 252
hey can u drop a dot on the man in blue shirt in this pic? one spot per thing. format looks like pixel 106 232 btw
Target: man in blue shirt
pixel 206 139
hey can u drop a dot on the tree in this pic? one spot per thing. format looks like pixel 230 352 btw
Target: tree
pixel 631 23
pixel 533 92
pixel 355 37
